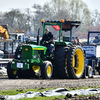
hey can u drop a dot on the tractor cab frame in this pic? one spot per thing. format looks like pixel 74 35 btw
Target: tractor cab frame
pixel 60 26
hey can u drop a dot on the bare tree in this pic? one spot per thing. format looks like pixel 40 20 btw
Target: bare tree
pixel 95 18
pixel 79 11
pixel 28 18
pixel 56 10
pixel 53 10
pixel 38 15
pixel 10 16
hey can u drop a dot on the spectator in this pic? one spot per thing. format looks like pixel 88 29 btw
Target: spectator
pixel 78 42
pixel 75 42
pixel 96 40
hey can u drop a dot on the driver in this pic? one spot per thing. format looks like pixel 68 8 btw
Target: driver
pixel 96 40
pixel 48 40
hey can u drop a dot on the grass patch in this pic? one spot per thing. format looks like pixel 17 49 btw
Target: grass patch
pixel 14 92
pixel 78 88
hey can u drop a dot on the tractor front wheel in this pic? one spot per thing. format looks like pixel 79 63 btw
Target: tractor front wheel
pixel 11 72
pixel 28 73
pixel 89 71
pixel 46 70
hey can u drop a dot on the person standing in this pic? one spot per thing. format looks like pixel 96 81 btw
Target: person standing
pixel 78 42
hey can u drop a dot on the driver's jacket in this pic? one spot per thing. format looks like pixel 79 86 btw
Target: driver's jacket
pixel 48 37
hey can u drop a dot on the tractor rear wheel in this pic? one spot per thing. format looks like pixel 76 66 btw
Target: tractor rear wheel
pixel 46 70
pixel 11 72
pixel 60 70
pixel 75 62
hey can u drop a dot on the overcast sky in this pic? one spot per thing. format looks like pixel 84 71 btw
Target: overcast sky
pixel 93 4
pixel 6 5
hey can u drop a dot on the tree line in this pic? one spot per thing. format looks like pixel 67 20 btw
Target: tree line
pixel 30 20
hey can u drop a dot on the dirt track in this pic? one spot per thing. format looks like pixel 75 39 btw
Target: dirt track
pixel 6 83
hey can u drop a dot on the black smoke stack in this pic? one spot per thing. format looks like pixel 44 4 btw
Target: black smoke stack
pixel 38 37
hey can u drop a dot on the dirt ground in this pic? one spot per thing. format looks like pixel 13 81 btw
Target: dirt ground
pixel 6 84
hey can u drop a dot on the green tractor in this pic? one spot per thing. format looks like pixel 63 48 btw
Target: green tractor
pixel 34 61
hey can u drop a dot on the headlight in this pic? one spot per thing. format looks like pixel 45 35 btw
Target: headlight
pixel 18 56
pixel 13 62
pixel 34 56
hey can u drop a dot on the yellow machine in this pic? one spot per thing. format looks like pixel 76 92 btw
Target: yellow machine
pixel 4 32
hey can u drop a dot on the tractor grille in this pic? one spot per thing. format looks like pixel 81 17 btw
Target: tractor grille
pixel 27 52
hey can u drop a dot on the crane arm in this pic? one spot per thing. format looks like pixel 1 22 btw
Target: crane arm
pixel 4 32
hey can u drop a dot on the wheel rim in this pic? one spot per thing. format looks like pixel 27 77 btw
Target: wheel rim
pixel 78 70
pixel 90 72
pixel 73 60
pixel 49 70
pixel 36 68
pixel 14 72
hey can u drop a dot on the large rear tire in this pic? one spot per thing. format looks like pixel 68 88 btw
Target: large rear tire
pixel 60 70
pixel 11 72
pixel 46 70
pixel 75 62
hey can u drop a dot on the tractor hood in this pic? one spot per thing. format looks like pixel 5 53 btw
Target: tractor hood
pixel 29 50
pixel 38 47
pixel 62 43
pixel 34 47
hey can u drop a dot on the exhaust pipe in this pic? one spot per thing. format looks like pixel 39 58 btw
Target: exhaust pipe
pixel 38 37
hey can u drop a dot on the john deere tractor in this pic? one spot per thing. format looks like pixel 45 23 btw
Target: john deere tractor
pixel 33 60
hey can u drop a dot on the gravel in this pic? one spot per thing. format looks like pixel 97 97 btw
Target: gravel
pixel 6 84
